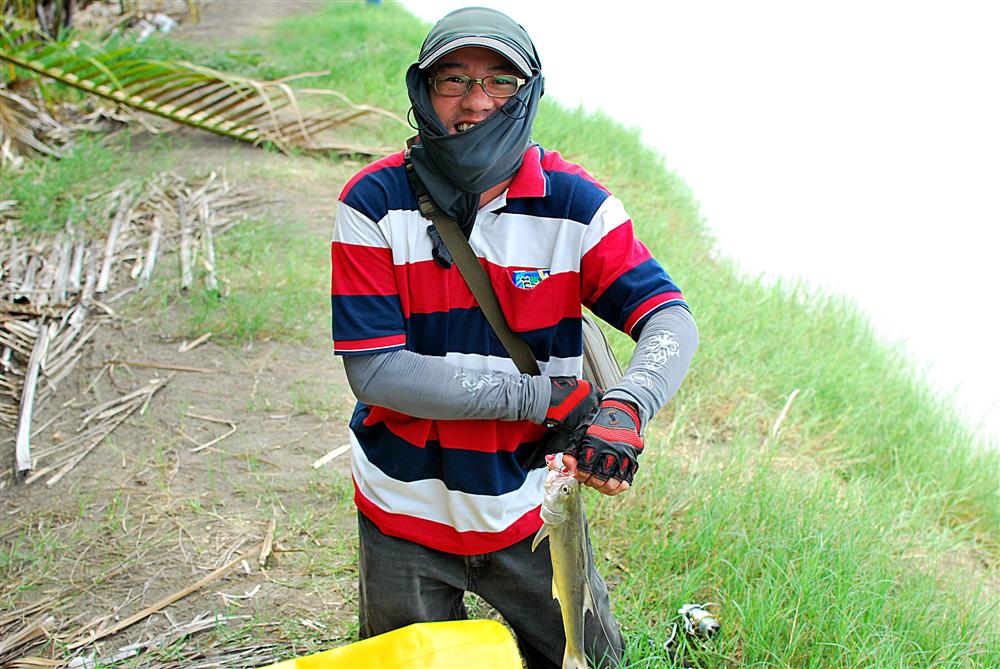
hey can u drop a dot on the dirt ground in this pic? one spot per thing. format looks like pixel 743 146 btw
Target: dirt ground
pixel 148 513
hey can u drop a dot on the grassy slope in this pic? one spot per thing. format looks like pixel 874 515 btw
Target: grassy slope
pixel 820 547
pixel 866 534
pixel 826 548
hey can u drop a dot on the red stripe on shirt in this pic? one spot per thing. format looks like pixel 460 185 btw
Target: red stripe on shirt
pixel 647 307
pixel 395 160
pixel 554 162
pixel 470 435
pixel 361 270
pixel 443 537
pixel 554 298
pixel 618 252
pixel 448 288
pixel 373 344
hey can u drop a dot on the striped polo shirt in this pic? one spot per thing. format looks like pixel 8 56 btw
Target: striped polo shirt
pixel 556 239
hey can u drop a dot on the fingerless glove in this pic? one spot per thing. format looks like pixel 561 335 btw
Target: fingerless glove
pixel 572 402
pixel 611 446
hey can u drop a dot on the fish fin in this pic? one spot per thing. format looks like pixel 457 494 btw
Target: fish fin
pixel 588 600
pixel 588 592
pixel 555 593
pixel 542 533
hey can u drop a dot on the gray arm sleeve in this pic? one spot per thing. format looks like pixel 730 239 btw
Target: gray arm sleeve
pixel 427 386
pixel 659 362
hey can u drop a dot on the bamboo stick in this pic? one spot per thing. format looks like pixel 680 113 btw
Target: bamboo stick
pixel 76 267
pixel 62 273
pixel 187 346
pixel 154 246
pixel 185 252
pixel 28 283
pixel 104 277
pixel 155 365
pixel 93 413
pixel 170 599
pixel 206 237
pixel 22 448
pixel 335 453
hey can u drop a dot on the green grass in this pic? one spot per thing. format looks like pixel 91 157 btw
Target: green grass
pixel 272 284
pixel 809 571
pixel 808 543
pixel 50 192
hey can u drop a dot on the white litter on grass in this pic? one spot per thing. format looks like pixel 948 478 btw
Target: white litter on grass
pixel 340 450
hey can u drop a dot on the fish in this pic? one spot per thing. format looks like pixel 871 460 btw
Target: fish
pixel 565 526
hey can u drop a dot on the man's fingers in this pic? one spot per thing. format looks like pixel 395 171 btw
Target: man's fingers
pixel 610 487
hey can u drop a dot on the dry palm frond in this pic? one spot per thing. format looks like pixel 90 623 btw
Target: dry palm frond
pixel 23 128
pixel 230 105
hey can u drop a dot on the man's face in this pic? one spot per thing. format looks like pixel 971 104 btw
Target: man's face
pixel 458 114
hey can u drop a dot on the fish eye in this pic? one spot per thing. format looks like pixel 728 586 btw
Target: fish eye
pixel 565 489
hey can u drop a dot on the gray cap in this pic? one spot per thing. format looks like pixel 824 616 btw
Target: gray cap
pixel 479 26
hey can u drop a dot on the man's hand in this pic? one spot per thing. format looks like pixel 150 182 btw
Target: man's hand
pixel 606 458
pixel 572 403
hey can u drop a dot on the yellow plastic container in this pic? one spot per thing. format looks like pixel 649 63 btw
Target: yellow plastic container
pixel 458 644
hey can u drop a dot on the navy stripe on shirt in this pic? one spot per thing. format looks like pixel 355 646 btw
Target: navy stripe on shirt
pixel 365 316
pixel 380 192
pixel 632 289
pixel 468 331
pixel 474 472
pixel 574 198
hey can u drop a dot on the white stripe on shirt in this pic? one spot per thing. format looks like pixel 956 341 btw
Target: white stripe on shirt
pixel 431 500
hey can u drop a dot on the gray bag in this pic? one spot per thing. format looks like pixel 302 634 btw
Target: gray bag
pixel 600 366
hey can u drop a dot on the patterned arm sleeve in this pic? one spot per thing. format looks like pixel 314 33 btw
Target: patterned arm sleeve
pixel 429 387
pixel 659 363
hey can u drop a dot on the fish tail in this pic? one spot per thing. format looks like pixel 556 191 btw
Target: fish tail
pixel 573 661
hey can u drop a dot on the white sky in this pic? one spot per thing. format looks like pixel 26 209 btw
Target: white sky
pixel 852 144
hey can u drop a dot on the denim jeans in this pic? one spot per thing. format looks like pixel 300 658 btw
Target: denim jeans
pixel 401 582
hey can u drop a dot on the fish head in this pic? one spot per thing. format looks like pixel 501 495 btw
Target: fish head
pixel 560 494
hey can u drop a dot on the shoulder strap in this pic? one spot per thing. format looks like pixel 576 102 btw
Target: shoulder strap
pixel 475 276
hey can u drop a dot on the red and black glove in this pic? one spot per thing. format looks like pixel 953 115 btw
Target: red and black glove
pixel 611 446
pixel 572 403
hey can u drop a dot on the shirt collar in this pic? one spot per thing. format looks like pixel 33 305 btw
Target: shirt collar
pixel 530 180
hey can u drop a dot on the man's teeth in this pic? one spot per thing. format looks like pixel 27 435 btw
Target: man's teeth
pixel 462 127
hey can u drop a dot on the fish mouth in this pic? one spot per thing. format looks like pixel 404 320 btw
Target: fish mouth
pixel 552 517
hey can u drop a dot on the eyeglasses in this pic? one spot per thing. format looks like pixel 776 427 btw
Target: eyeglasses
pixel 494 85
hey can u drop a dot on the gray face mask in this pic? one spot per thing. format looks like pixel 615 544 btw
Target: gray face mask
pixel 457 169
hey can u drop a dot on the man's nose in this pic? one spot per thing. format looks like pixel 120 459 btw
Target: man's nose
pixel 477 99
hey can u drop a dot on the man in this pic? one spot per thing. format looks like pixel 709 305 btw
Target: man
pixel 446 432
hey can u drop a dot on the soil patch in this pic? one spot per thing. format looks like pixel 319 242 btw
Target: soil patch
pixel 164 501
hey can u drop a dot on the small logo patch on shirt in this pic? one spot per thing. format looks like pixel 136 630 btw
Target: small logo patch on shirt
pixel 529 278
